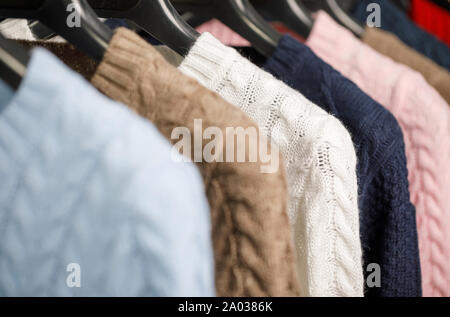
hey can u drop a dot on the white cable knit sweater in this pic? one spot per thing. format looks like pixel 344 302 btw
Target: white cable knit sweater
pixel 320 161
pixel 319 156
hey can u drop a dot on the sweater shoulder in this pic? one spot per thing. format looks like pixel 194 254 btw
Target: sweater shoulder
pixel 97 163
pixel 315 146
pixel 244 199
pixel 374 130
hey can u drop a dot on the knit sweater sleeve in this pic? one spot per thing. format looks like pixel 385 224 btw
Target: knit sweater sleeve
pixel 251 237
pixel 390 223
pixel 80 186
pixel 424 118
pixel 375 132
pixel 320 162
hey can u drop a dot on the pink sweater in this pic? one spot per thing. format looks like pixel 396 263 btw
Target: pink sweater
pixel 425 120
pixel 223 33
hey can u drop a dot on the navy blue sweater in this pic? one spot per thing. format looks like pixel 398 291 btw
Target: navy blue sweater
pixel 387 217
pixel 397 22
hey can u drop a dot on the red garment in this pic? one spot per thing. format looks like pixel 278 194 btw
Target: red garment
pixel 432 18
pixel 280 27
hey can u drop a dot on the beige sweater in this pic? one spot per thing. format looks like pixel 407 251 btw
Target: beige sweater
pixel 388 44
pixel 252 241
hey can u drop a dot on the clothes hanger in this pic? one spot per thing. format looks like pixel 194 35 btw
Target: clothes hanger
pixel 291 13
pixel 157 17
pixel 339 14
pixel 40 31
pixel 86 32
pixel 193 19
pixel 442 3
pixel 240 16
pixel 13 62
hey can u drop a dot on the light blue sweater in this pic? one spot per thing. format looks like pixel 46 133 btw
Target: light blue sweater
pixel 84 180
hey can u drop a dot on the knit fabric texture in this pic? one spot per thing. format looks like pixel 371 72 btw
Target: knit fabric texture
pixel 395 21
pixel 254 254
pixel 85 181
pixel 425 120
pixel 387 218
pixel 320 162
pixel 388 44
pixel 223 33
pixel 16 29
pixel 68 54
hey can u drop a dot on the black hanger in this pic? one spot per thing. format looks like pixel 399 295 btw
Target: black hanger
pixel 157 17
pixel 13 62
pixel 291 13
pixel 91 35
pixel 40 31
pixel 193 19
pixel 337 11
pixel 240 16
pixel 442 3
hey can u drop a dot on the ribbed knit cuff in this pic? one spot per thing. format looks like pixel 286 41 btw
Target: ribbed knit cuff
pixel 117 74
pixel 208 61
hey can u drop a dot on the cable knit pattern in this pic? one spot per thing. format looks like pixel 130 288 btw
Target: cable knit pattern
pixel 425 120
pixel 379 146
pixel 84 180
pixel 252 241
pixel 320 162
pixel 395 21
